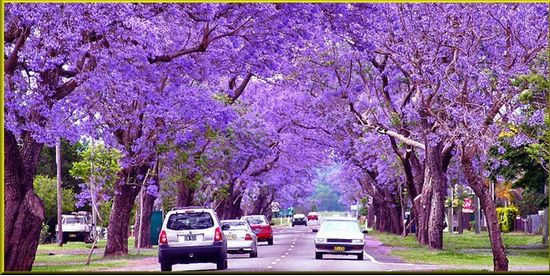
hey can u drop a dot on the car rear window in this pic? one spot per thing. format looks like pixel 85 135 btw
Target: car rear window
pixel 340 225
pixel 189 221
pixel 256 220
pixel 236 225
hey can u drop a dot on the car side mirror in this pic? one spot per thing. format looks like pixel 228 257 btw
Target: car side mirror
pixel 365 231
pixel 271 223
pixel 225 227
pixel 315 230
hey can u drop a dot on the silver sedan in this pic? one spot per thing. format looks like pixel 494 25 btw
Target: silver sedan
pixel 240 238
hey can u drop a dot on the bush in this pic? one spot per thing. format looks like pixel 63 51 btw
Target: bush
pixel 507 217
pixel 45 236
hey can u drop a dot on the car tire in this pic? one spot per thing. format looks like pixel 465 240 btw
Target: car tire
pixel 293 225
pixel 270 241
pixel 222 263
pixel 318 256
pixel 360 256
pixel 254 254
pixel 165 266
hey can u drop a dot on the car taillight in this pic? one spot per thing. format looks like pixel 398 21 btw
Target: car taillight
pixel 248 237
pixel 218 236
pixel 162 237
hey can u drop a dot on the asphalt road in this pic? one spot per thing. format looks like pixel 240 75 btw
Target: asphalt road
pixel 293 250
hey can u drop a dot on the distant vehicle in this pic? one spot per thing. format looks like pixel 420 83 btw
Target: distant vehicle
pixel 312 216
pixel 341 236
pixel 192 235
pixel 76 227
pixel 240 238
pixel 260 227
pixel 299 219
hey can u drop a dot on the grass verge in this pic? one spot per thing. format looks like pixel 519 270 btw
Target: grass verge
pixel 468 249
pixel 73 255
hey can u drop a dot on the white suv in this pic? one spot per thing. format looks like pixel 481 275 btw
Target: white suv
pixel 192 235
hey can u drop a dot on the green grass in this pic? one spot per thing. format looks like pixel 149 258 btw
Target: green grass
pixel 80 267
pixel 73 255
pixel 468 249
pixel 281 221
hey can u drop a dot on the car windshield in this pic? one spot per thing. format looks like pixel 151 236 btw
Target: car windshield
pixel 340 225
pixel 74 220
pixel 189 221
pixel 236 225
pixel 255 220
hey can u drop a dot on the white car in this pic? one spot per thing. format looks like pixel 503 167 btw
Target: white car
pixel 341 236
pixel 76 227
pixel 192 235
pixel 240 238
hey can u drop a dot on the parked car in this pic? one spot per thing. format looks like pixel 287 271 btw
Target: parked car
pixel 339 235
pixel 240 238
pixel 299 219
pixel 260 227
pixel 192 235
pixel 76 227
pixel 312 216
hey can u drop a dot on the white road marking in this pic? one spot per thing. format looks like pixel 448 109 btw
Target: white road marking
pixel 292 246
pixel 372 259
pixel 283 256
pixel 286 253
pixel 278 260
pixel 274 262
pixel 269 267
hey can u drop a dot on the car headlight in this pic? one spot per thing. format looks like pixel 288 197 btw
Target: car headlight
pixel 321 240
pixel 357 241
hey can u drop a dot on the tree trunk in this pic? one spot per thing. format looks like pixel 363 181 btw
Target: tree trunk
pixel 500 261
pixel 148 204
pixel 24 212
pixel 460 221
pixel 185 194
pixel 424 209
pixel 370 216
pixel 119 220
pixel 437 210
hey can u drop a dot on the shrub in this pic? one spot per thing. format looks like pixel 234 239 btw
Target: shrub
pixel 507 217
pixel 45 234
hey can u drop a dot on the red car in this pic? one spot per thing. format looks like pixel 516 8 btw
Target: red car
pixel 312 216
pixel 260 227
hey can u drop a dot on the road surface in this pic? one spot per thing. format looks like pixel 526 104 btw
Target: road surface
pixel 293 250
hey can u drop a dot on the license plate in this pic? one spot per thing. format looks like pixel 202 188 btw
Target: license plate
pixel 232 237
pixel 339 248
pixel 72 235
pixel 190 237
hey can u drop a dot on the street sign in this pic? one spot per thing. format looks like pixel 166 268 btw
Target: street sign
pixel 468 206
pixel 275 207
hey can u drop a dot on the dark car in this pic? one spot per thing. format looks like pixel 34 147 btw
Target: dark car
pixel 299 219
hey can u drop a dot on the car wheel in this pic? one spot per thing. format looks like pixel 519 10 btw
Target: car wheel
pixel 254 254
pixel 165 266
pixel 318 255
pixel 222 263
pixel 270 241
pixel 360 256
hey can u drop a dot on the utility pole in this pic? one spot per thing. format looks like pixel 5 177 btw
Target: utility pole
pixel 451 211
pixel 477 215
pixel 59 193
pixel 93 191
pixel 94 206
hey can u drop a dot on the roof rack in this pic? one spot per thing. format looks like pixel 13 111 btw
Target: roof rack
pixel 188 207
